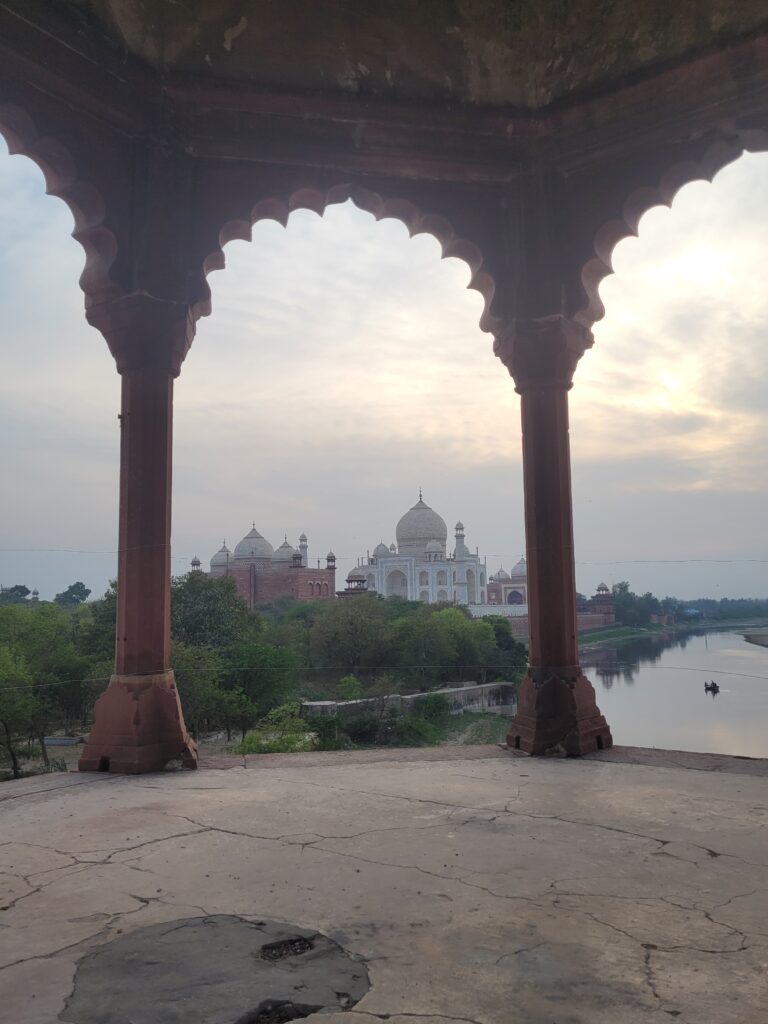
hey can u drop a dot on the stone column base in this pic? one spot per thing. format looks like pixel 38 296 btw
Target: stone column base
pixel 558 713
pixel 139 727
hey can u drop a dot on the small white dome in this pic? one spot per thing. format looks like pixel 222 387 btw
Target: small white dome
pixel 434 547
pixel 381 550
pixel 502 574
pixel 222 557
pixel 357 574
pixel 253 545
pixel 330 557
pixel 459 527
pixel 284 553
pixel 393 549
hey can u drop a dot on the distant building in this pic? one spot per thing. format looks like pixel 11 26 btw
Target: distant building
pixel 603 602
pixel 357 585
pixel 262 573
pixel 419 567
pixel 508 596
pixel 509 588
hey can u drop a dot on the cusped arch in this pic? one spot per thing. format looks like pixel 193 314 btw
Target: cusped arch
pixel 666 181
pixel 85 203
pixel 416 221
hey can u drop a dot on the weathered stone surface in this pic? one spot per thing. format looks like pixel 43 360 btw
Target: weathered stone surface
pixel 483 51
pixel 214 970
pixel 476 891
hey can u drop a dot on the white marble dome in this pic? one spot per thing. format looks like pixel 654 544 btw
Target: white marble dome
pixel 253 545
pixel 502 574
pixel 418 527
pixel 381 550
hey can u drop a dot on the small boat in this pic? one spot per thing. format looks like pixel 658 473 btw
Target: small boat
pixel 711 687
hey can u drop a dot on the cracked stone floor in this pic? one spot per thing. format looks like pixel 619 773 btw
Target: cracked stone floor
pixel 481 888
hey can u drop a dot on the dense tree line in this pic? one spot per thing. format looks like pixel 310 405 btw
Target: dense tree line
pixel 636 609
pixel 233 666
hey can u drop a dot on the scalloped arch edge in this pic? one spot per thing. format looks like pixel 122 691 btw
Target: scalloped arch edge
pixel 83 199
pixel 318 200
pixel 719 154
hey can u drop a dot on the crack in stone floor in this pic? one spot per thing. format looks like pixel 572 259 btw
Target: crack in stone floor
pixel 454 888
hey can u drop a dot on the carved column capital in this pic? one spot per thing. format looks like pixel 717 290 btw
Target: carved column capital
pixel 543 353
pixel 144 332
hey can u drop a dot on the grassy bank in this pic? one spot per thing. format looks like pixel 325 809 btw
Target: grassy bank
pixel 610 636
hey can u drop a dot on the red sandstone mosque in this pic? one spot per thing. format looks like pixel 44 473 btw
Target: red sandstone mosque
pixel 262 573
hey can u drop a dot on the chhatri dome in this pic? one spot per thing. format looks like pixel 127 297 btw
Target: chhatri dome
pixel 521 569
pixel 253 545
pixel 381 550
pixel 418 527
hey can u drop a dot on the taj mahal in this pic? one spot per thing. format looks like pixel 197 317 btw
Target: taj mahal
pixel 418 566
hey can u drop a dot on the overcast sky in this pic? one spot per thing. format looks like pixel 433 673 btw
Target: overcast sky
pixel 343 368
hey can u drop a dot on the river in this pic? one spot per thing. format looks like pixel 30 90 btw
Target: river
pixel 651 692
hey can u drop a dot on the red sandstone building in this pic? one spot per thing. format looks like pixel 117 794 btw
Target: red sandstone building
pixel 263 574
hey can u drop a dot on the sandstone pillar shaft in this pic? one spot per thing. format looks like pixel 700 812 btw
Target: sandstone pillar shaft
pixel 557 708
pixel 144 550
pixel 139 725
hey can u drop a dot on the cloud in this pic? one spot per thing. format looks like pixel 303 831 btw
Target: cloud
pixel 343 367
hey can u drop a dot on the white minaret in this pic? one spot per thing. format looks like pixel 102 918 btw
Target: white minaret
pixel 460 589
pixel 303 549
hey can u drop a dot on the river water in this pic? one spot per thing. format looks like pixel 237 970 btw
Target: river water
pixel 651 692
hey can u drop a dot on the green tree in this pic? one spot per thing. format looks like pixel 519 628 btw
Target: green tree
pixel 264 675
pixel 76 593
pixel 207 611
pixel 352 635
pixel 18 705
pixel 509 658
pixel 631 609
pixel 95 626
pixel 16 594
pixel 198 672
pixel 349 688
pixel 426 646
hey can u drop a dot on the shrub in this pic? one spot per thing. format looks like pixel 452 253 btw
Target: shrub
pixel 283 730
pixel 349 688
pixel 328 732
pixel 434 707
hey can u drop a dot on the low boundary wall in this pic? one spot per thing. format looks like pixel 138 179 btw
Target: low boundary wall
pixel 498 698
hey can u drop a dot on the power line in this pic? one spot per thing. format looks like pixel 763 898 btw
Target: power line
pixel 625 561
pixel 389 668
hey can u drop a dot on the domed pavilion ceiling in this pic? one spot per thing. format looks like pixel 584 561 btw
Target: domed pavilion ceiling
pixel 523 55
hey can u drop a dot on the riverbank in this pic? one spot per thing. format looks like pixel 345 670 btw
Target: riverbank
pixel 759 637
pixel 615 636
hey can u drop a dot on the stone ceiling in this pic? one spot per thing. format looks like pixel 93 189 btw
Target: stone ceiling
pixel 520 54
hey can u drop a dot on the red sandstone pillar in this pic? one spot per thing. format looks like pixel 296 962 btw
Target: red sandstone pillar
pixel 557 707
pixel 139 725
